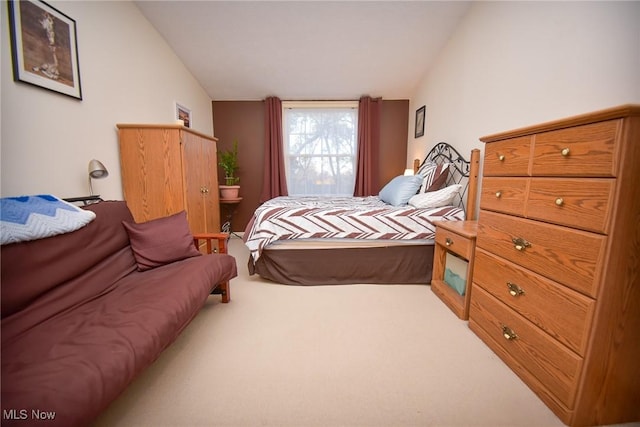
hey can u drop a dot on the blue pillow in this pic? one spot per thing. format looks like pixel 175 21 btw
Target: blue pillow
pixel 400 189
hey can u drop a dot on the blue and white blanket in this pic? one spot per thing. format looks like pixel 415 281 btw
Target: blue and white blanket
pixel 35 217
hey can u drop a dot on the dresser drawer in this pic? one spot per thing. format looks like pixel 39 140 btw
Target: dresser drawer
pixel 588 150
pixel 550 362
pixel 506 195
pixel 561 312
pixel 571 257
pixel 581 203
pixel 509 157
pixel 454 242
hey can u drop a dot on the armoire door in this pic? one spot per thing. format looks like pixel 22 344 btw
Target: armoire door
pixel 168 168
pixel 150 163
pixel 194 188
pixel 210 181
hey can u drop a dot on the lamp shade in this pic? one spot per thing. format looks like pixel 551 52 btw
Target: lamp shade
pixel 97 169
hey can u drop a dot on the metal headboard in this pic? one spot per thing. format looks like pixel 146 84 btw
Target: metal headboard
pixel 461 171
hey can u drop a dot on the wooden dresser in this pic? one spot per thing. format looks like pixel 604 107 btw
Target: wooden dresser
pixel 169 168
pixel 556 281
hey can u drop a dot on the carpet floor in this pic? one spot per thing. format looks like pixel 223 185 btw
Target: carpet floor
pixel 350 355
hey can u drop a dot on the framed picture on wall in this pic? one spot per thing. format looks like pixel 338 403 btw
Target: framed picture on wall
pixel 420 121
pixel 183 113
pixel 44 47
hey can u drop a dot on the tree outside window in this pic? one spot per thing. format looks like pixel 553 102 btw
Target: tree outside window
pixel 320 147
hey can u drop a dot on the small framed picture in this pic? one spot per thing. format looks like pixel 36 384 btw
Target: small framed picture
pixel 420 121
pixel 184 114
pixel 44 47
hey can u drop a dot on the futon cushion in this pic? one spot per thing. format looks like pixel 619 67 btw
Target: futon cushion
pixel 37 267
pixel 161 241
pixel 76 362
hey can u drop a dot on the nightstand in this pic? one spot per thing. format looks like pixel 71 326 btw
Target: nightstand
pixel 455 245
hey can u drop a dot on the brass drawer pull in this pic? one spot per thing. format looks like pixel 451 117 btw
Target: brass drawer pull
pixel 514 289
pixel 448 241
pixel 508 333
pixel 501 157
pixel 498 194
pixel 559 201
pixel 520 244
pixel 565 152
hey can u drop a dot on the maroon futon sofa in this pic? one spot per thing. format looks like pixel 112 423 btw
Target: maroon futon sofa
pixel 80 321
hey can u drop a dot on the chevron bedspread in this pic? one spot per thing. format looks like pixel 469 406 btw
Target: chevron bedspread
pixel 35 217
pixel 340 217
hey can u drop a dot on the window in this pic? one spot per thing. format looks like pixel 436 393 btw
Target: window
pixel 320 147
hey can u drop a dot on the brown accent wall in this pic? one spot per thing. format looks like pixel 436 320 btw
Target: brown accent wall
pixel 244 121
pixel 394 125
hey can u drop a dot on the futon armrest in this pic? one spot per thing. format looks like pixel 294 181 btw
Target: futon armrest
pixel 221 240
pixel 220 247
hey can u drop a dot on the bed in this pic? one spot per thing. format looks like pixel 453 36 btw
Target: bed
pixel 363 240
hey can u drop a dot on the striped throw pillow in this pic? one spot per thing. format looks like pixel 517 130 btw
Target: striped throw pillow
pixel 433 176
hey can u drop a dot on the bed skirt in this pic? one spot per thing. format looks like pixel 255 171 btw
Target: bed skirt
pixel 410 264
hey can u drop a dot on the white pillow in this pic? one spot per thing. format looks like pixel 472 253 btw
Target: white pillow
pixel 435 199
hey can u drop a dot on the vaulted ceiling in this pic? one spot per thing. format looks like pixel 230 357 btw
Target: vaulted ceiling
pixel 247 50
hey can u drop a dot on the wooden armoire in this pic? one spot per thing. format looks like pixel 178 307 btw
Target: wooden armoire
pixel 556 281
pixel 169 168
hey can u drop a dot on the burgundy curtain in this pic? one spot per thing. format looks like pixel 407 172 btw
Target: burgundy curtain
pixel 368 143
pixel 274 183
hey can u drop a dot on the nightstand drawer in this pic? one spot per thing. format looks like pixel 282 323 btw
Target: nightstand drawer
pixel 571 257
pixel 509 157
pixel 587 150
pixel 546 359
pixel 506 195
pixel 561 312
pixel 454 242
pixel 580 203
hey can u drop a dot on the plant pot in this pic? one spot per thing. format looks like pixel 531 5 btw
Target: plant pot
pixel 229 191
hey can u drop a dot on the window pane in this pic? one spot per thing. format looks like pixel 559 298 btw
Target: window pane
pixel 320 150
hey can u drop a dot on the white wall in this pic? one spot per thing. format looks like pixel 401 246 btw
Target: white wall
pixel 514 64
pixel 128 75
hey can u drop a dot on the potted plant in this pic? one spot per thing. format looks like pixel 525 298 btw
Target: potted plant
pixel 228 160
